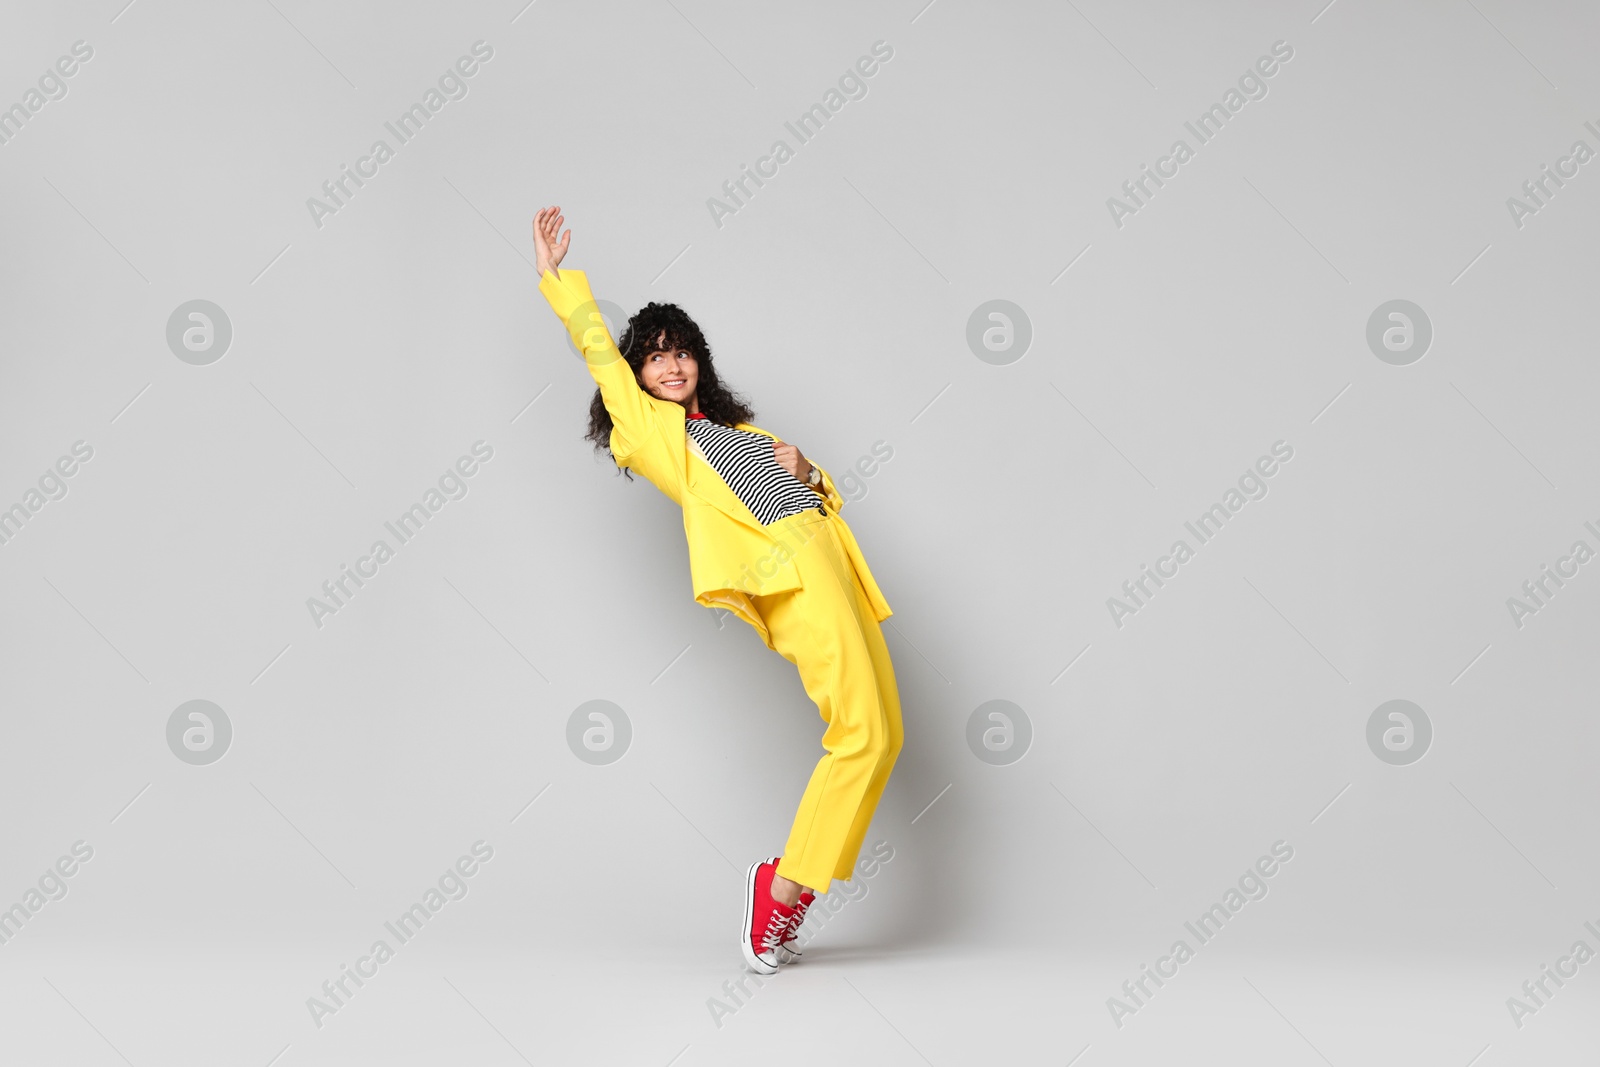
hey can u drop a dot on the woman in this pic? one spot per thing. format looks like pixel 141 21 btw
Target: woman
pixel 765 542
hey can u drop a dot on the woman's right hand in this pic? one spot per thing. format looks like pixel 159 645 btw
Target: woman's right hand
pixel 548 251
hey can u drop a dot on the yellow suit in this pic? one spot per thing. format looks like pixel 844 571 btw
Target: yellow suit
pixel 732 557
pixel 800 582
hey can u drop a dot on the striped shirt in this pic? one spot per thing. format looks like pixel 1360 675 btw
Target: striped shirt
pixel 747 465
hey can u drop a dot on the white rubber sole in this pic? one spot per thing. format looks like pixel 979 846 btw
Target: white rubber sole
pixel 751 960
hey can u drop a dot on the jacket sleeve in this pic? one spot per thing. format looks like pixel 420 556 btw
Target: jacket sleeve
pixel 633 419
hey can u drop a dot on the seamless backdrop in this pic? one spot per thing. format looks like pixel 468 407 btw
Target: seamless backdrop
pixel 1212 388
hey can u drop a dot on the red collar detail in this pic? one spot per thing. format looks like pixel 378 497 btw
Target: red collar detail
pixel 696 414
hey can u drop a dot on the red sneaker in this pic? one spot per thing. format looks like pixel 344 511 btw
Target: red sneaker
pixel 765 920
pixel 788 947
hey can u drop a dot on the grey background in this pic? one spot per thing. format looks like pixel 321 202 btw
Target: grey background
pixel 1167 355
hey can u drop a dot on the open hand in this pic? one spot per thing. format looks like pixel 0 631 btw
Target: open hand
pixel 790 459
pixel 545 227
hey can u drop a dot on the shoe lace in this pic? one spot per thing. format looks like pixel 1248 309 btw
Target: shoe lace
pixel 777 926
pixel 793 929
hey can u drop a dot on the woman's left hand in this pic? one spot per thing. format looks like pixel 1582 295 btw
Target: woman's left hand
pixel 790 459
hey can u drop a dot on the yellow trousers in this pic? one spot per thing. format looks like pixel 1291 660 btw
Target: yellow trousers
pixel 828 631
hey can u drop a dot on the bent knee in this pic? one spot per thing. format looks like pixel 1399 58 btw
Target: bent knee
pixel 873 744
pixel 885 743
pixel 891 750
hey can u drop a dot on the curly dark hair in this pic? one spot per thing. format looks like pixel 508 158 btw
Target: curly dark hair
pixel 638 340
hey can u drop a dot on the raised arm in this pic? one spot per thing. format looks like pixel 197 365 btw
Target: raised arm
pixel 633 417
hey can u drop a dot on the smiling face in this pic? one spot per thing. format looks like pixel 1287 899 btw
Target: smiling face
pixel 671 374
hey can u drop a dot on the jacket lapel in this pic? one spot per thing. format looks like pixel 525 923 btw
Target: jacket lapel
pixel 702 481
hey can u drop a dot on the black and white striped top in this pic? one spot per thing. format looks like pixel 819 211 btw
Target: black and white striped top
pixel 746 463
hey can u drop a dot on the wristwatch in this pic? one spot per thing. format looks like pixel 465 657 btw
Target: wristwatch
pixel 814 479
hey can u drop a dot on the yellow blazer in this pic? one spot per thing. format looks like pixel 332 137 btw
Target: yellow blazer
pixel 732 557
